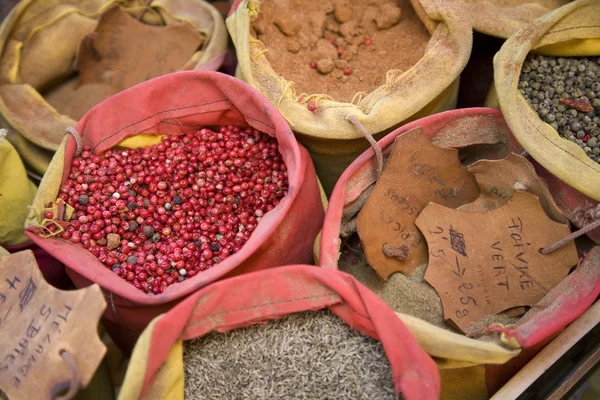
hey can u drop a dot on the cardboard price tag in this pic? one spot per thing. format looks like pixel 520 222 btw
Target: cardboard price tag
pixel 416 173
pixel 41 327
pixel 484 263
pixel 123 51
pixel 499 179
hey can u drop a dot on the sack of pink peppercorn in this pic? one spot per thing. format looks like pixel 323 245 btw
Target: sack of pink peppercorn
pixel 178 104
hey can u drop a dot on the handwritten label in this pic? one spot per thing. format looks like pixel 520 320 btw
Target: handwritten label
pixel 485 263
pixel 416 173
pixel 123 51
pixel 37 323
pixel 499 179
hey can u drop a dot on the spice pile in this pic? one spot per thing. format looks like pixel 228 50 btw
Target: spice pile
pixel 565 93
pixel 340 47
pixel 309 355
pixel 160 214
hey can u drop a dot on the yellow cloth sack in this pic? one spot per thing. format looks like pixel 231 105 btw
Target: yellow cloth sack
pixel 429 87
pixel 16 194
pixel 572 30
pixel 168 383
pixel 38 42
pixel 501 18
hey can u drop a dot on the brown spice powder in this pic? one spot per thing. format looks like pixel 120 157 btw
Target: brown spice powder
pixel 290 30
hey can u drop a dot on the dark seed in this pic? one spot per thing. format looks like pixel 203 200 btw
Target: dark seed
pixel 214 247
pixel 177 200
pixel 146 203
pixel 148 231
pixel 132 192
pixel 132 259
pixel 131 206
pixel 83 199
pixel 133 226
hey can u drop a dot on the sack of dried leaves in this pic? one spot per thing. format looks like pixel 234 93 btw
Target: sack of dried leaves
pixel 287 333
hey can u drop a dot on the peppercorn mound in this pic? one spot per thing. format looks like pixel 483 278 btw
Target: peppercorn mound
pixel 161 214
pixel 565 93
pixel 339 47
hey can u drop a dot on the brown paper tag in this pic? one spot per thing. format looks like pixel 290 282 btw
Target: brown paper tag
pixel 484 263
pixel 416 173
pixel 37 323
pixel 499 179
pixel 123 51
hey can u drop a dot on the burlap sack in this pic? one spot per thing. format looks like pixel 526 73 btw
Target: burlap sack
pixel 572 30
pixel 573 178
pixel 502 18
pixel 156 367
pixel 469 368
pixel 176 104
pixel 38 42
pixel 16 193
pixel 428 87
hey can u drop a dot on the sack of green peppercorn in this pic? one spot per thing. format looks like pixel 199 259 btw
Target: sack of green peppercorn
pixel 476 362
pixel 546 83
pixel 48 79
pixel 167 346
pixel 418 78
pixel 82 224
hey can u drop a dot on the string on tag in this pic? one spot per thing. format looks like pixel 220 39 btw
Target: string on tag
pixel 74 385
pixel 71 131
pixel 588 217
pixel 372 142
pixel 3 133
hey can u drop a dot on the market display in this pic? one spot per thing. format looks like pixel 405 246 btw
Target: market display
pixel 161 214
pixel 306 355
pixel 323 225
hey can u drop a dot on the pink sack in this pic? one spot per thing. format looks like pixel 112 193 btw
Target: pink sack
pixel 261 296
pixel 174 104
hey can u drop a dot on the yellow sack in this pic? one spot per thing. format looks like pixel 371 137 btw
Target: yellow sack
pixel 429 87
pixel 572 30
pixel 501 18
pixel 38 43
pixel 16 194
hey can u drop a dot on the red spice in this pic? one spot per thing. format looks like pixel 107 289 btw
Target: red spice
pixel 330 41
pixel 586 138
pixel 578 104
pixel 347 71
pixel 312 107
pixel 368 42
pixel 340 51
pixel 313 65
pixel 178 207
